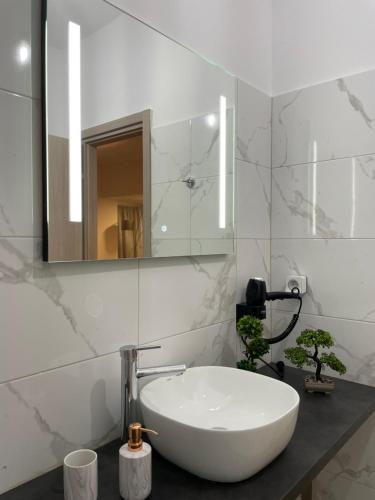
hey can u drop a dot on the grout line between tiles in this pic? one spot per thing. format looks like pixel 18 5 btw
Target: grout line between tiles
pixel 19 94
pixel 197 178
pixel 249 162
pixel 13 236
pixel 87 360
pixel 253 238
pixel 236 198
pixel 326 316
pixel 56 368
pixel 188 331
pixel 271 205
pixel 327 160
pixel 322 238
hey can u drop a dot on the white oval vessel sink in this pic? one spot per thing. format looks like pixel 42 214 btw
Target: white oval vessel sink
pixel 221 424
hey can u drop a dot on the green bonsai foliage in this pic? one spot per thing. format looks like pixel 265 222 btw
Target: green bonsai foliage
pixel 250 330
pixel 302 355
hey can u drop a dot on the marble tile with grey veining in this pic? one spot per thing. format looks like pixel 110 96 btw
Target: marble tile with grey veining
pixel 212 246
pixel 304 206
pixel 212 345
pixel 19 202
pixel 170 211
pixel 205 203
pixel 205 145
pixel 82 315
pixel 340 275
pixel 356 459
pixel 39 416
pixel 165 247
pixel 330 120
pixel 253 199
pixel 330 487
pixel 171 152
pixel 184 294
pixel 20 47
pixel 253 125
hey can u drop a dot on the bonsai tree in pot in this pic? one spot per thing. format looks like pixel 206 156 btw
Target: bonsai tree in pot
pixel 307 353
pixel 250 330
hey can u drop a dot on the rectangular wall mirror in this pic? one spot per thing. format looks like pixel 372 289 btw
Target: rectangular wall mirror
pixel 139 140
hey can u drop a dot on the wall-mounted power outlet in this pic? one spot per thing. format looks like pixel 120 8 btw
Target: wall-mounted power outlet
pixel 292 282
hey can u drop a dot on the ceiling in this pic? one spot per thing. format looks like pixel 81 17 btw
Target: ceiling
pixel 91 15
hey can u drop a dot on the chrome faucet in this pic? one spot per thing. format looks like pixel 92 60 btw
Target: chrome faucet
pixel 130 373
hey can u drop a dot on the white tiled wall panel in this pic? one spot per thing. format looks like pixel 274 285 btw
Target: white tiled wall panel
pixel 253 125
pixel 340 273
pixel 20 46
pixel 323 142
pixel 331 199
pixel 324 122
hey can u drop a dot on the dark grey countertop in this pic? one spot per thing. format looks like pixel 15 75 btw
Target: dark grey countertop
pixel 324 424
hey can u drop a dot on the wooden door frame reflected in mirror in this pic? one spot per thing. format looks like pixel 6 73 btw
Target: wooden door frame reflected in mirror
pixel 102 134
pixel 92 138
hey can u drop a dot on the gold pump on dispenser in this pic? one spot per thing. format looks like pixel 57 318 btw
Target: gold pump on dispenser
pixel 135 473
pixel 135 431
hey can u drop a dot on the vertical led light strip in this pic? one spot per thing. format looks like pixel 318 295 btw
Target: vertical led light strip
pixel 223 161
pixel 352 225
pixel 75 158
pixel 45 76
pixel 314 193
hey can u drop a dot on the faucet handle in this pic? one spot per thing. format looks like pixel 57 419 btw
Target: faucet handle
pixel 131 351
pixel 147 348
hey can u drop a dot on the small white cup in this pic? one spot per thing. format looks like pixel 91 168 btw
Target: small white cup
pixel 81 475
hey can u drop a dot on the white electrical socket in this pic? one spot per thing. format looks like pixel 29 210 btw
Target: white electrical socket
pixel 293 281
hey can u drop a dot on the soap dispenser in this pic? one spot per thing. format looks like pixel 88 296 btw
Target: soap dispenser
pixel 135 465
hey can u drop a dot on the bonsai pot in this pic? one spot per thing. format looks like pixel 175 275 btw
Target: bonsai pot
pixel 326 385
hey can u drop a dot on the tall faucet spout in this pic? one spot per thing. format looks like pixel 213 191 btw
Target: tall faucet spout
pixel 130 373
pixel 160 370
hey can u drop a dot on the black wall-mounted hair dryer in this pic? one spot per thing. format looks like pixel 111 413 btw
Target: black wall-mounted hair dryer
pixel 256 298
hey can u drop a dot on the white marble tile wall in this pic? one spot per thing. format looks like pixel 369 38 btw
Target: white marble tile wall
pixel 171 152
pixel 340 273
pixel 253 200
pixel 253 125
pixel 204 203
pixel 167 223
pixel 323 144
pixel 185 220
pixel 214 344
pixel 53 315
pixel 323 122
pixel 61 325
pixel 304 204
pixel 20 47
pixel 18 186
pixel 184 294
pixel 332 487
pixel 206 246
pixel 45 416
pixel 253 189
pixel 205 134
